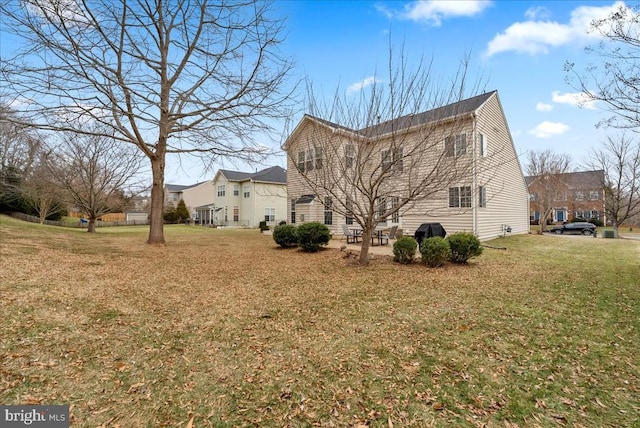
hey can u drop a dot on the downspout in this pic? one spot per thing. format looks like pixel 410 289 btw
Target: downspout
pixel 474 184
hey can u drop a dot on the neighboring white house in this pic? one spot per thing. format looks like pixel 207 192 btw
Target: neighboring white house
pixel 243 199
pixel 490 200
pixel 194 195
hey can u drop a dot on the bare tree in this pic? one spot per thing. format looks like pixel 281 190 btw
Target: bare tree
pixel 94 173
pixel 42 194
pixel 619 157
pixel 546 169
pixel 19 149
pixel 169 76
pixel 615 79
pixel 384 154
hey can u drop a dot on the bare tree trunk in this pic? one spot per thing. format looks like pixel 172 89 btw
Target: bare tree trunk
pixel 364 249
pixel 91 227
pixel 156 223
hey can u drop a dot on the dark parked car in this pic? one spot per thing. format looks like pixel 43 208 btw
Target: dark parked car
pixel 584 228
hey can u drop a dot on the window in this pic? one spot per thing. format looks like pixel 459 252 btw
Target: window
pixel 392 159
pixel 269 214
pixel 455 145
pixel 236 190
pixel 532 197
pixel 594 195
pixel 318 164
pixel 175 197
pixel 236 213
pixel 482 145
pixel 328 211
pixel 293 211
pixel 381 209
pixel 309 162
pixel 579 196
pixel 301 161
pixel 395 217
pixel 594 214
pixel 561 196
pixel 386 160
pixel 349 155
pixel 246 190
pixel 482 197
pixel 349 206
pixel 460 197
pixel 221 190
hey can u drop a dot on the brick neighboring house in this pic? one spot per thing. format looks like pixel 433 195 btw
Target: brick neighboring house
pixel 579 195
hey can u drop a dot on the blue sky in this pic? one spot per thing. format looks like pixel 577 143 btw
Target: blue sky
pixel 518 47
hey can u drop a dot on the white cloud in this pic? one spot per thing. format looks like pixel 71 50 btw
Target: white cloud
pixel 544 107
pixel 549 129
pixel 358 86
pixel 579 99
pixel 435 11
pixel 537 36
pixel 538 12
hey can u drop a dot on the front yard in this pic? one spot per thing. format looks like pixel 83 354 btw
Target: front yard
pixel 223 328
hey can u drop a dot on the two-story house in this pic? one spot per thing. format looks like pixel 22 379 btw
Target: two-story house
pixel 486 196
pixel 243 199
pixel 575 195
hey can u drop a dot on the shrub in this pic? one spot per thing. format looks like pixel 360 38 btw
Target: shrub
pixel 577 220
pixel 283 222
pixel 310 236
pixel 263 226
pixel 464 246
pixel 596 222
pixel 182 212
pixel 404 250
pixel 435 251
pixel 285 235
pixel 170 214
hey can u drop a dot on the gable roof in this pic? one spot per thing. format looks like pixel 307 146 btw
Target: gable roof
pixel 175 187
pixel 274 174
pixel 576 180
pixel 466 106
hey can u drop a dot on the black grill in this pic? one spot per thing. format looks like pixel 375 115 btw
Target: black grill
pixel 429 230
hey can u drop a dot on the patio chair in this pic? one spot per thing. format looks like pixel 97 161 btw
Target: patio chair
pixel 385 237
pixel 352 236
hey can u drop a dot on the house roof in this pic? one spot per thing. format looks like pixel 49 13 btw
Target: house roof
pixel 466 106
pixel 576 180
pixel 448 111
pixel 176 187
pixel 274 174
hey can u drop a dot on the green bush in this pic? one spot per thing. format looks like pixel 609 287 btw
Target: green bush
pixel 577 220
pixel 182 212
pixel 596 222
pixel 310 236
pixel 285 235
pixel 464 246
pixel 404 250
pixel 435 251
pixel 170 215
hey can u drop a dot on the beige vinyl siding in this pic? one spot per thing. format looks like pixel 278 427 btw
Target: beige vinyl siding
pixel 500 172
pixel 507 194
pixel 199 195
pixel 266 195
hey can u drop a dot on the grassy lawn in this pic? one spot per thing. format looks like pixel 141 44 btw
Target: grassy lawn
pixel 224 329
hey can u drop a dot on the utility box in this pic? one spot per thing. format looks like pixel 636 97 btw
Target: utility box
pixel 608 233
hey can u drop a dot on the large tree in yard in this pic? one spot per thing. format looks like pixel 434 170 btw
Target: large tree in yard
pixel 619 157
pixel 546 169
pixel 168 76
pixel 94 173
